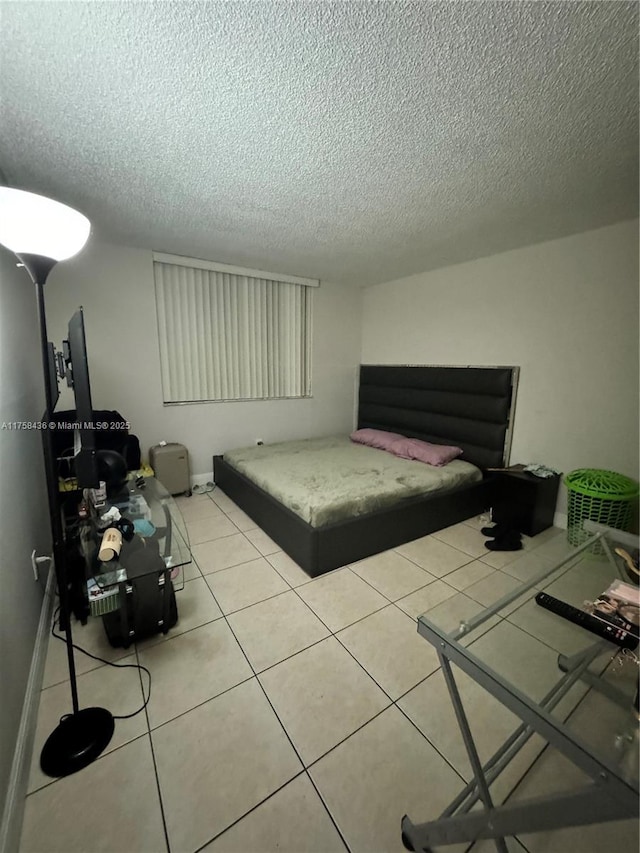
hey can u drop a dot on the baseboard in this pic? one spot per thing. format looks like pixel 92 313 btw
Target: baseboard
pixel 201 479
pixel 19 778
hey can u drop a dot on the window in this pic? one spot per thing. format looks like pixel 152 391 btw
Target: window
pixel 231 334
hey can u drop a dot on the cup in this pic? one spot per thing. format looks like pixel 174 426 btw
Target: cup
pixel 111 544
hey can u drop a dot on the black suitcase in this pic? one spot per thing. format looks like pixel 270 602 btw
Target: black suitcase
pixel 147 598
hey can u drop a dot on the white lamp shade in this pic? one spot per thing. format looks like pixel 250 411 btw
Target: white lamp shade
pixel 35 225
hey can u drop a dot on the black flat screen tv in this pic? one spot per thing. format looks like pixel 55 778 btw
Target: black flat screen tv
pixel 52 377
pixel 84 449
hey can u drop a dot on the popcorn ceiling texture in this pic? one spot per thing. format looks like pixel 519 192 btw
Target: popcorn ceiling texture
pixel 356 142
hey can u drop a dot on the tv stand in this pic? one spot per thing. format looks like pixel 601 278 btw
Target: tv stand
pixel 134 593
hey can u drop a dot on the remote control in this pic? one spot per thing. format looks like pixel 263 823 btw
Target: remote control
pixel 600 627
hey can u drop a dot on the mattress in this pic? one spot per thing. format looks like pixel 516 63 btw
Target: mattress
pixel 326 480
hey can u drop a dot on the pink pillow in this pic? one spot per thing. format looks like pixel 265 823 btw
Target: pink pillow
pixel 377 438
pixel 432 454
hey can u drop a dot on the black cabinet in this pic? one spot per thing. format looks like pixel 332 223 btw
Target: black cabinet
pixel 523 501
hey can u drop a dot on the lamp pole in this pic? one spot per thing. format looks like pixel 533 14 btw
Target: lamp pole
pixel 41 232
pixel 38 269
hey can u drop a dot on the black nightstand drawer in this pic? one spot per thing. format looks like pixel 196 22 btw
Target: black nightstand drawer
pixel 524 502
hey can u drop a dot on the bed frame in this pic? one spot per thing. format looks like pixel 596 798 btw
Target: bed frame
pixel 471 407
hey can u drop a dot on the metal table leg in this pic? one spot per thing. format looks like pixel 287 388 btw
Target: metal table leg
pixel 606 799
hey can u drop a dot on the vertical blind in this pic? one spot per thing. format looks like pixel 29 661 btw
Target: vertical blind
pixel 226 336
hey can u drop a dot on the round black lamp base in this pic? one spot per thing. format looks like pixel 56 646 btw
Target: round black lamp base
pixel 77 741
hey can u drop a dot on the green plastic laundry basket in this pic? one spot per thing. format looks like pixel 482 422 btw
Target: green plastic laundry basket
pixel 597 495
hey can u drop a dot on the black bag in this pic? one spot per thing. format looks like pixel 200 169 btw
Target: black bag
pixel 147 599
pixel 107 438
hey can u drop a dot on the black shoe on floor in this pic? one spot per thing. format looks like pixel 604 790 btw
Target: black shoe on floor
pixel 498 530
pixel 509 541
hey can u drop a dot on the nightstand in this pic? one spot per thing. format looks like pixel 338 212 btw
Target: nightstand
pixel 523 501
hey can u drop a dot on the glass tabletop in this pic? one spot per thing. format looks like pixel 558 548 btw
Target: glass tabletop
pixel 584 685
pixel 159 535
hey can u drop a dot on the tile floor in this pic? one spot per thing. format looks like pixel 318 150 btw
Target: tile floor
pixel 296 715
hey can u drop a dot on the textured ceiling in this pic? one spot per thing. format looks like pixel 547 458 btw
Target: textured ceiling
pixel 355 142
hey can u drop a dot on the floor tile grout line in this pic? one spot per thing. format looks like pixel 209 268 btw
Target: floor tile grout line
pixel 384 595
pixel 350 624
pixel 402 598
pixel 144 734
pixel 292 589
pixel 525 551
pixel 437 577
pixel 59 683
pixel 254 675
pixel 99 758
pixel 422 681
pixel 517 840
pixel 275 568
pixel 226 517
pixel 328 810
pixel 434 535
pixel 473 556
pixel 349 652
pixel 206 516
pixel 538 757
pixel 201 704
pixel 455 770
pixel 301 760
pixel 224 616
pixel 254 603
pixel 153 754
pixel 430 742
pixel 334 634
pixel 246 606
pixel 528 633
pixel 364 669
pixel 235 565
pixel 86 652
pixel 249 811
pixel 116 663
pixel 392 702
pixel 282 726
pixel 348 737
pixel 237 532
pixel 169 639
pixel 78 675
pixel 99 664
pixel 149 731
pixel 395 602
pixel 225 514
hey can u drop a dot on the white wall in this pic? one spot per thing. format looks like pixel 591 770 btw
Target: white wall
pixel 24 515
pixel 115 286
pixel 565 311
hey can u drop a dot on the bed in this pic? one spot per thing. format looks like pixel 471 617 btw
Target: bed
pixel 470 407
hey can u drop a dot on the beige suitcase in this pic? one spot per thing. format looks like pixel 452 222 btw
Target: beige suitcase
pixel 170 463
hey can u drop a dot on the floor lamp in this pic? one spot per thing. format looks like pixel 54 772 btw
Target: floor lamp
pixel 41 232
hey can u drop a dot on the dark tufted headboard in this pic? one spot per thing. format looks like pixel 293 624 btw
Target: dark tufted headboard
pixel 470 407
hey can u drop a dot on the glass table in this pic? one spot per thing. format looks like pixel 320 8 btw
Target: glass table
pixel 151 557
pixel 574 689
